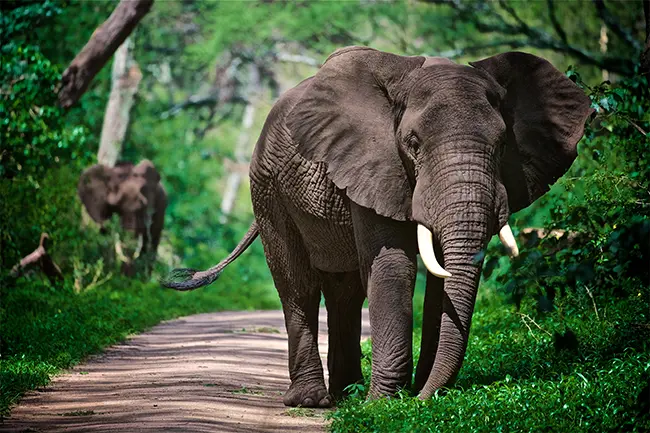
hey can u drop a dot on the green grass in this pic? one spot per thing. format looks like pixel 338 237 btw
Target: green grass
pixel 45 329
pixel 514 379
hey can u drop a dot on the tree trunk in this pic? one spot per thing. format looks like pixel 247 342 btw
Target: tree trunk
pixel 101 46
pixel 242 150
pixel 125 79
pixel 645 54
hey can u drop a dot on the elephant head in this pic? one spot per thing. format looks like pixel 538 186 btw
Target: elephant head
pixel 455 149
pixel 134 193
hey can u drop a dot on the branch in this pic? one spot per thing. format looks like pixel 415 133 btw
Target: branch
pixel 459 52
pixel 297 58
pixel 101 46
pixel 522 25
pixel 556 24
pixel 199 101
pixel 475 13
pixel 611 22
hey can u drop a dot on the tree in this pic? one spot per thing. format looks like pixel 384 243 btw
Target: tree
pixel 101 46
pixel 125 78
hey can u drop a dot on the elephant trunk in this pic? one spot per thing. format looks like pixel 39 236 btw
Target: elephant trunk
pixel 458 204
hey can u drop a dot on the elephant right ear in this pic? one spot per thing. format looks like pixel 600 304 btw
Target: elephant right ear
pixel 545 114
pixel 93 191
pixel 346 118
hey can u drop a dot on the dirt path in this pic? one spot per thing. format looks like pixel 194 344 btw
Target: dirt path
pixel 217 372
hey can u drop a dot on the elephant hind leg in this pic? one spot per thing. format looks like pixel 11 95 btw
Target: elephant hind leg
pixel 298 285
pixel 344 296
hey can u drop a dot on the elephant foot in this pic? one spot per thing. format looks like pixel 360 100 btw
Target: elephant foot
pixel 307 395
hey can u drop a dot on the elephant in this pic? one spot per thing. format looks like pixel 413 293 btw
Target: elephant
pixel 136 194
pixel 379 157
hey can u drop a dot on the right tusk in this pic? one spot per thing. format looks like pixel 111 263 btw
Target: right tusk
pixel 425 245
pixel 508 241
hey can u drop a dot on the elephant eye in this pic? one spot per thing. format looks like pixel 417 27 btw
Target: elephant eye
pixel 413 142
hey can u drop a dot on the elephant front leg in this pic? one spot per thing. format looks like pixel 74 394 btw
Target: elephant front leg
pixel 344 296
pixel 299 289
pixel 387 256
pixel 431 320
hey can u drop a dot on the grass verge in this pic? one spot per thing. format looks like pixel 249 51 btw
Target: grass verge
pixel 525 372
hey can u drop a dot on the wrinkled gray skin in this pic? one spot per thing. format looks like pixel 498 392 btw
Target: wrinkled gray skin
pixel 351 159
pixel 136 195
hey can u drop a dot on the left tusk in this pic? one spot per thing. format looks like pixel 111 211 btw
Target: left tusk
pixel 138 250
pixel 508 240
pixel 425 245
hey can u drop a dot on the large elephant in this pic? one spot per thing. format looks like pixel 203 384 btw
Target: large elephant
pixel 137 196
pixel 378 156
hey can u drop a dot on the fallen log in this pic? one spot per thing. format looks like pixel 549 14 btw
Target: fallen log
pixel 39 257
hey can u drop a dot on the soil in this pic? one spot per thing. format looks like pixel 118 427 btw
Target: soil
pixel 217 372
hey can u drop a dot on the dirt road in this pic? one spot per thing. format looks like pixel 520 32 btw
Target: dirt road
pixel 217 372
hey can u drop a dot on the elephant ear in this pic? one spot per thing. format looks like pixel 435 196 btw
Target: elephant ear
pixel 346 118
pixel 545 113
pixel 93 192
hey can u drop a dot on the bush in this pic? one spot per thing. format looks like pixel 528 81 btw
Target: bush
pixel 602 205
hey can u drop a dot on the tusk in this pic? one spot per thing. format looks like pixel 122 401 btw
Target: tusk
pixel 119 252
pixel 508 240
pixel 425 245
pixel 138 250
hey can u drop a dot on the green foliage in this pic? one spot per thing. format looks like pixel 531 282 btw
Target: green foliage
pixel 602 207
pixel 33 133
pixel 516 379
pixel 41 155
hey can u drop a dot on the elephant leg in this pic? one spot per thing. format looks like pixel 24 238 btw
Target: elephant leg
pixel 431 319
pixel 344 296
pixel 298 285
pixel 388 264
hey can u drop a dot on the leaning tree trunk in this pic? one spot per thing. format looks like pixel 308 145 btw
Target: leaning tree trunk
pixel 101 46
pixel 242 150
pixel 124 84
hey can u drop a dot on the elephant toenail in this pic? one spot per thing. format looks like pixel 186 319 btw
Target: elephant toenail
pixel 308 402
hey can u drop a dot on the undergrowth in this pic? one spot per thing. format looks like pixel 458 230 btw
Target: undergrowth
pixel 522 373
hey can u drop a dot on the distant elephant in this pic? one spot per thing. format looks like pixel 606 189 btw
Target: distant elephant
pixel 378 156
pixel 136 194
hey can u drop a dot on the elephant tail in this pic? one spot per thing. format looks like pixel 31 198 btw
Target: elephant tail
pixel 190 279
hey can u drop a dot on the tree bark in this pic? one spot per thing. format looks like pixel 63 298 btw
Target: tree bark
pixel 125 79
pixel 101 46
pixel 242 149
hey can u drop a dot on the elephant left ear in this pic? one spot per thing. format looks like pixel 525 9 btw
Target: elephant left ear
pixel 545 113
